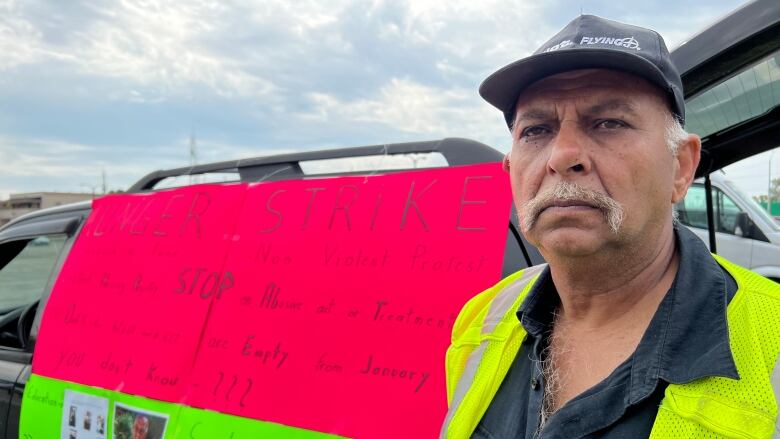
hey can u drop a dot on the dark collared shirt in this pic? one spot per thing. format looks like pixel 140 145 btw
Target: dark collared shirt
pixel 686 339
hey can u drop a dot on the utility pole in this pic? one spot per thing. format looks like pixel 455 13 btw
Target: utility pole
pixel 193 153
pixel 105 186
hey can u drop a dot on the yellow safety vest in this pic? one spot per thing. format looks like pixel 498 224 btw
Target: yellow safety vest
pixel 487 336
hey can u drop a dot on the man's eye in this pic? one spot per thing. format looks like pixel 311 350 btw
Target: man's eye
pixel 534 131
pixel 610 124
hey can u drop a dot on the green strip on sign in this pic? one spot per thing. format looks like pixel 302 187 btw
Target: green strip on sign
pixel 43 407
pixel 205 424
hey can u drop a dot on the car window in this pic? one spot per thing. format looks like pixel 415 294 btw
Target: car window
pixel 758 214
pixel 750 93
pixel 692 210
pixel 727 213
pixel 24 277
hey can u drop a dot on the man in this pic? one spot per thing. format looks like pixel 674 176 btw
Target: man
pixel 625 333
pixel 140 427
pixel 88 420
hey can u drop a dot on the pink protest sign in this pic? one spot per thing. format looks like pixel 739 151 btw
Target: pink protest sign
pixel 323 304
pixel 347 290
pixel 129 306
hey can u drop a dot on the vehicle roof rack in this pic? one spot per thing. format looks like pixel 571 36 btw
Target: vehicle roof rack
pixel 456 151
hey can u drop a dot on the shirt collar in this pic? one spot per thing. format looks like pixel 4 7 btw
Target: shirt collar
pixel 686 339
pixel 538 308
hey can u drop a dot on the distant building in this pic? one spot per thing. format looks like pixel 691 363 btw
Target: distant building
pixel 19 204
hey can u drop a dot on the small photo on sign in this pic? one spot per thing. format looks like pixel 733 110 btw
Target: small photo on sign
pixel 87 420
pixel 100 429
pixel 83 416
pixel 137 423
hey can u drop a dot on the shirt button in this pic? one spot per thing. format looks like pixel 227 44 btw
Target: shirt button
pixel 534 383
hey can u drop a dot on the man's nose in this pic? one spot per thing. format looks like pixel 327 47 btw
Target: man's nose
pixel 568 155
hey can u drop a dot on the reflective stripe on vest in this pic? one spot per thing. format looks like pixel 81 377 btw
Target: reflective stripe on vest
pixel 507 299
pixel 709 407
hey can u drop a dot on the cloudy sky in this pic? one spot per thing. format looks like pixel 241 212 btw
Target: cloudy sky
pixel 121 85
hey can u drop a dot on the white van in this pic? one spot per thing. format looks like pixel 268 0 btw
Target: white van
pixel 744 232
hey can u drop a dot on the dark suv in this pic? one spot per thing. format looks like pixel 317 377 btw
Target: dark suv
pixel 33 248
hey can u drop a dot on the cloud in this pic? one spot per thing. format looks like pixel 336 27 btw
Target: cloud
pixel 153 46
pixel 411 107
pixel 65 166
pixel 127 80
pixel 21 40
pixel 31 158
pixel 156 49
pixel 45 164
pixel 467 30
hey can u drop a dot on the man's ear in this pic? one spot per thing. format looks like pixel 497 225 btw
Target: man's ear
pixel 505 162
pixel 686 162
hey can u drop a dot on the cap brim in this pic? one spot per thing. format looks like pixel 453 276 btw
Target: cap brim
pixel 502 88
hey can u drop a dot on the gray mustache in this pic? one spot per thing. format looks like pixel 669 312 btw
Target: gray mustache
pixel 568 191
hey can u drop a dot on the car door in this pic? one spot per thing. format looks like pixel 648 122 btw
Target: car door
pixel 731 80
pixel 31 254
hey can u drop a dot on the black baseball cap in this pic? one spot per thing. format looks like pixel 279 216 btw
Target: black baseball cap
pixel 589 42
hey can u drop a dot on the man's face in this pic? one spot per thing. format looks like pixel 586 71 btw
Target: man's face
pixel 140 427
pixel 604 131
